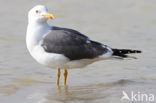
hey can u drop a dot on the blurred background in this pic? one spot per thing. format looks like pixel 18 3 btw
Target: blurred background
pixel 117 23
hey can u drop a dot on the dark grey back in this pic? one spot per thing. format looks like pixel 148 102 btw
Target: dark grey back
pixel 72 44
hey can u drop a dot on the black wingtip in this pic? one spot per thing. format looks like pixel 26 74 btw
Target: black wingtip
pixel 123 52
pixel 138 51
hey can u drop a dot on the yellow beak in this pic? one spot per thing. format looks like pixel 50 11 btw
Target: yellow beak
pixel 48 16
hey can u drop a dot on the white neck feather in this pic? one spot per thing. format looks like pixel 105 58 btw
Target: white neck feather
pixel 35 32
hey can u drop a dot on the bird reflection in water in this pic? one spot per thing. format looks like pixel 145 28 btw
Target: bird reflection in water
pixel 83 94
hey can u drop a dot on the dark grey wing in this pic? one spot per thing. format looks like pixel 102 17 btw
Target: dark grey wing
pixel 69 30
pixel 72 45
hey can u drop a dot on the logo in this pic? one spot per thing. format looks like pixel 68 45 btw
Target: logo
pixel 137 96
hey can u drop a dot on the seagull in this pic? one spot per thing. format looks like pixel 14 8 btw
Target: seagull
pixel 64 48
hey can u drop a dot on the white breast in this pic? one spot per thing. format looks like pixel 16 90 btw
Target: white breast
pixel 51 60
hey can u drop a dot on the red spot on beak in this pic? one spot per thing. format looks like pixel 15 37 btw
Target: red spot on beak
pixel 51 17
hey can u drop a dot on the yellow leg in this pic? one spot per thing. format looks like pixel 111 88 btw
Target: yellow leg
pixel 65 76
pixel 58 77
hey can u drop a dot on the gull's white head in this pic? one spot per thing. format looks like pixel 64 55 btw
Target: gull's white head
pixel 39 14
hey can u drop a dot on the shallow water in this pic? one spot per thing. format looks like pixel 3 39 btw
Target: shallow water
pixel 120 24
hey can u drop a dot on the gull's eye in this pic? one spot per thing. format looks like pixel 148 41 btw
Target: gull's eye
pixel 37 11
